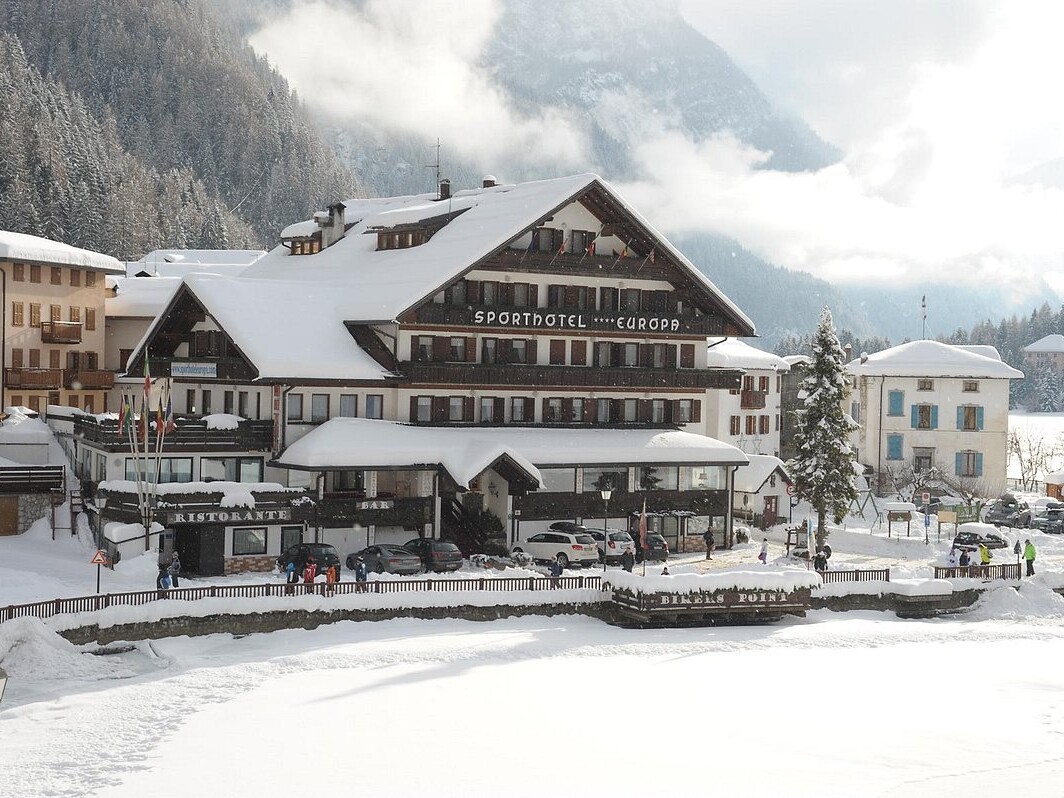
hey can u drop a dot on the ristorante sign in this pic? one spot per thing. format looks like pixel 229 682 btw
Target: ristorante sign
pixel 562 320
pixel 236 515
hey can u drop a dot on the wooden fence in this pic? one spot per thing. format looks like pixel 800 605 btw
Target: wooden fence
pixel 1003 571
pixel 62 606
pixel 871 575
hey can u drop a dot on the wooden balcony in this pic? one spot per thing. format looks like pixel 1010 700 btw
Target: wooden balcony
pixel 574 377
pixel 33 379
pixel 61 332
pixel 752 400
pixel 88 379
pixel 191 434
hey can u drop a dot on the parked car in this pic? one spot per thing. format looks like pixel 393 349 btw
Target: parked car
pixel 390 559
pixel 614 548
pixel 577 548
pixel 1008 511
pixel 324 555
pixel 969 536
pixel 436 555
pixel 1048 518
pixel 657 548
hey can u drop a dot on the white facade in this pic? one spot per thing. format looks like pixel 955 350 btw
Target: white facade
pixel 925 404
pixel 747 417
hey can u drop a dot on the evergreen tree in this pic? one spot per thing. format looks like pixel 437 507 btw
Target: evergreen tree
pixel 823 467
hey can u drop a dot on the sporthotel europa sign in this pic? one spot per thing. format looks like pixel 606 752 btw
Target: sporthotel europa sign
pixel 574 321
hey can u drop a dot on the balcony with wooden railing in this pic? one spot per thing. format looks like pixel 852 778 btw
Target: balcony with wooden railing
pixel 88 379
pixel 752 400
pixel 33 379
pixel 61 332
pixel 513 374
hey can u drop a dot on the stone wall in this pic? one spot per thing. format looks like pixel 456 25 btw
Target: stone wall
pixel 244 565
pixel 32 506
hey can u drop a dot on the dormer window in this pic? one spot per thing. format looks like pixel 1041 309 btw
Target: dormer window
pixel 402 239
pixel 304 246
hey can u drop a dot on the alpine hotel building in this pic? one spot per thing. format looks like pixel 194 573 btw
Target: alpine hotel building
pixel 424 360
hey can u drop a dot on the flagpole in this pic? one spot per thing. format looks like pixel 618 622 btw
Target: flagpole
pixel 615 262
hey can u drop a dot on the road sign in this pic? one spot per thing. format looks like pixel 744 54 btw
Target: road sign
pixel 792 490
pixel 927 519
pixel 925 498
pixel 99 558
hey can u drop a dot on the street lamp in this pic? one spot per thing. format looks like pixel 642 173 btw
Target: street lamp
pixel 605 493
pixel 3 683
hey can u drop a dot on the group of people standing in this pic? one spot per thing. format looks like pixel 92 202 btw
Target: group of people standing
pixel 308 572
pixel 169 571
pixel 963 559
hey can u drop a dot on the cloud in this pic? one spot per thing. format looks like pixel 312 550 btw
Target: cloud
pixel 412 67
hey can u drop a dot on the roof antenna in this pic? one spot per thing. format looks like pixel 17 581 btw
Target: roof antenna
pixel 436 165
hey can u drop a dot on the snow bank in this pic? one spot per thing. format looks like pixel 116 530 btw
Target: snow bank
pixel 1028 599
pixel 31 652
pixel 222 421
pixel 786 579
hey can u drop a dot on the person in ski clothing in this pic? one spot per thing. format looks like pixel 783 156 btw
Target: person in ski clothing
pixel 174 569
pixel 708 538
pixel 332 576
pixel 628 560
pixel 291 575
pixel 965 559
pixel 360 574
pixel 555 570
pixel 310 571
pixel 820 562
pixel 665 571
pixel 952 562
pixel 162 581
pixel 1028 554
pixel 984 554
pixel 763 556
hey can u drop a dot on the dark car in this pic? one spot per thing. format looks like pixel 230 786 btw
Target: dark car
pixel 1008 511
pixel 385 558
pixel 657 548
pixel 324 555
pixel 1049 519
pixel 971 538
pixel 436 555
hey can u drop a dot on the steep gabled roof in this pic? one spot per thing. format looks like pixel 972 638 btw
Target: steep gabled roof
pixel 1048 343
pixel 752 478
pixel 931 359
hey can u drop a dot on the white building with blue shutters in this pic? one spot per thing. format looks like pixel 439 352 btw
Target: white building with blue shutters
pixel 925 404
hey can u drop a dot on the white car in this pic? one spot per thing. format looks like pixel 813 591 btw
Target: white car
pixel 614 548
pixel 575 548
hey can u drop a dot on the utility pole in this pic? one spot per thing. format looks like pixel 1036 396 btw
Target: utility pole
pixel 436 165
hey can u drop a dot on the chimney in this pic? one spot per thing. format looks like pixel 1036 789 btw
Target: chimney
pixel 864 358
pixel 445 189
pixel 848 349
pixel 489 181
pixel 332 228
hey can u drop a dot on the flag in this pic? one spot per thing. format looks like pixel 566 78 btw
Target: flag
pixel 561 249
pixel 147 384
pixel 145 409
pixel 169 425
pixel 159 419
pixel 651 255
pixel 624 252
pixel 123 416
pixel 643 527
pixel 591 248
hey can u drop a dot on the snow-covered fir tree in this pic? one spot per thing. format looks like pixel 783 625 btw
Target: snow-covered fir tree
pixel 1047 389
pixel 823 468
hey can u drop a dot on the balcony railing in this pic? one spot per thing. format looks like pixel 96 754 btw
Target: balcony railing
pixel 247 436
pixel 566 376
pixel 61 332
pixel 34 378
pixel 752 400
pixel 88 379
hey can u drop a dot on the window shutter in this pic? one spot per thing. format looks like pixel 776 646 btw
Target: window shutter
pixel 533 295
pixel 468 408
pixel 506 294
pixel 960 418
pixel 670 356
pixel 978 464
pixel 570 297
pixel 672 411
pixel 473 292
pixel 470 349
pixel 646 355
pixel 545 404
pixel 530 351
pixel 413 409
pixel 958 459
pixel 687 356
pixel 617 410
pixel 616 354
pixel 439 408
pixel 934 416
pixel 914 414
pixel 896 403
pixel 644 411
pixel 557 352
pixel 530 410
pixel 589 411
pixel 441 348
pixel 979 418
pixel 506 351
pixel 696 411
pixel 579 353
pixel 500 410
pixel 567 410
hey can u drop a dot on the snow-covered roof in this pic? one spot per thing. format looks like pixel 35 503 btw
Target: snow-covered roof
pixel 379 285
pixel 793 360
pixel 931 359
pixel 466 451
pixel 23 247
pixel 1048 343
pixel 981 349
pixel 179 262
pixel 21 428
pixel 750 478
pixel 733 353
pixel 140 297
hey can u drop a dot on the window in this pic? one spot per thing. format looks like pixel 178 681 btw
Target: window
pixel 748 383
pixel 707 478
pixel 55 312
pixel 763 425
pixel 685 411
pixel 521 295
pixel 970 386
pixel 457 353
pixel 612 477
pixel 53 359
pixel 35 274
pixel 733 425
pixel 18 272
pixel 631 410
pixel 90 318
pixel 319 407
pixel 630 300
pixel 35 315
pixel 295 407
pixel 350 481
pixel 896 403
pixel 16 360
pixel 855 411
pixel 348 405
pixel 602 353
pixel 205 403
pixel 190 399
pixel 924 417
pixel 242 404
pixel 249 540
pixel 762 384
pixel 658 358
pixel 171 469
pixel 17 319
pixel 925 385
pixel 455 408
pixel 35 358
pixel 630 355
pixel 375 405
pixel 554 296
pixel 16 400
pixel 231 469
pixel 290 536
pixel 923 459
pixel 657 411
pixel 489 348
pixel 894 443
pixel 489 293
pixel 602 411
pixel 751 425
pixel 90 279
pixel 517 408
pixel 970 418
pixel 487 409
pixel 657 478
pixel 57 276
pixel 423 348
pixel 558 480
pixel 969 464
pixel 75 278
pixel 552 410
pixel 519 351
pixel 424 409
pixel 577 411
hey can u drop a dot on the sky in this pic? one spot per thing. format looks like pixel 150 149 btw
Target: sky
pixel 942 111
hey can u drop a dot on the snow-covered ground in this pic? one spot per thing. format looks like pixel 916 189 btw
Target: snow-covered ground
pixel 1048 427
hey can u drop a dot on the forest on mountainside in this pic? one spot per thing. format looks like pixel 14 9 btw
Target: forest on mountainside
pixel 130 125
